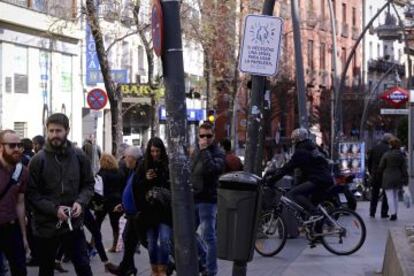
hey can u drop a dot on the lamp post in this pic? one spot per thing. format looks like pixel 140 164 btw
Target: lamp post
pixel 338 115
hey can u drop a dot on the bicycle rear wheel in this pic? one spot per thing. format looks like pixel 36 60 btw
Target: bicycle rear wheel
pixel 271 234
pixel 347 236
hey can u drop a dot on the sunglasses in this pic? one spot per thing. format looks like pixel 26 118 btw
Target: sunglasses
pixel 208 136
pixel 14 145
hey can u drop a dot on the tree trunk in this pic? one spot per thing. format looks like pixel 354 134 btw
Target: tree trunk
pixel 114 96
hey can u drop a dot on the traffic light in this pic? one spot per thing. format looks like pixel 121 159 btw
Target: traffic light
pixel 211 116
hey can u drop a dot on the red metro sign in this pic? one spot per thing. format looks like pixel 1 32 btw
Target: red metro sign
pixel 396 96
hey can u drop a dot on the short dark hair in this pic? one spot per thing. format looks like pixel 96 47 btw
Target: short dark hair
pixel 206 125
pixel 226 144
pixel 27 144
pixel 59 119
pixel 39 139
pixel 4 132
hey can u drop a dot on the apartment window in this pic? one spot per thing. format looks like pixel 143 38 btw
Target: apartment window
pixel 20 70
pixel 378 50
pixel 322 56
pixel 141 68
pixel 66 74
pixel 125 60
pixel 385 50
pixel 21 129
pixel 354 17
pixel 343 57
pixel 108 40
pixel 354 65
pixel 310 54
pixel 370 50
pixel 334 6
pixel 343 12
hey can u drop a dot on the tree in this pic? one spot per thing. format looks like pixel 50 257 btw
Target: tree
pixel 114 96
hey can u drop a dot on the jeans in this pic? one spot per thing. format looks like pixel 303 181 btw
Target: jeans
pixel 11 244
pixel 74 244
pixel 159 244
pixel 206 214
pixel 131 241
pixel 392 197
pixel 375 193
pixel 300 194
pixel 92 226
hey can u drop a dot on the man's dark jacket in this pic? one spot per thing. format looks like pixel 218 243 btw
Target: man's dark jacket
pixel 206 167
pixel 374 158
pixel 312 163
pixel 58 178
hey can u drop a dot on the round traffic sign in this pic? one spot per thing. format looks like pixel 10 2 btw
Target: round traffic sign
pixel 97 98
pixel 157 23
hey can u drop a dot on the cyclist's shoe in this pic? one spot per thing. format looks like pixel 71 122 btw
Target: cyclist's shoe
pixel 314 242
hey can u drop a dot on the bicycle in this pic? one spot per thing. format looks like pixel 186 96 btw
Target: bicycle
pixel 333 229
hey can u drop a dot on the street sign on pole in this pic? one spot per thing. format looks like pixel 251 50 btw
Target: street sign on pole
pixel 157 23
pixel 97 98
pixel 396 96
pixel 392 111
pixel 260 49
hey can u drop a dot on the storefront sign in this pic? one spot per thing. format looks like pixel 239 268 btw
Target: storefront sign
pixel 93 69
pixel 352 159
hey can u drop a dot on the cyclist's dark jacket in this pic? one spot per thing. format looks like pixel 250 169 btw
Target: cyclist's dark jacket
pixel 312 163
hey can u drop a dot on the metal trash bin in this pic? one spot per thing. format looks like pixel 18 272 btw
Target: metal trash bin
pixel 238 204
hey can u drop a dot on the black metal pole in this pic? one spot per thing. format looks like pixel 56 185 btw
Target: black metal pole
pixel 182 199
pixel 300 79
pixel 254 153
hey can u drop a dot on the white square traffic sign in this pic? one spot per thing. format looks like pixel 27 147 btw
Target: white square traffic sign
pixel 260 49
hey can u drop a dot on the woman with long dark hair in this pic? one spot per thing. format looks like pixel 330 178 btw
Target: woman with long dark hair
pixel 152 197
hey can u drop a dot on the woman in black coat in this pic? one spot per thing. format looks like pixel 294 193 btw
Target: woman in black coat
pixel 393 167
pixel 113 182
pixel 152 198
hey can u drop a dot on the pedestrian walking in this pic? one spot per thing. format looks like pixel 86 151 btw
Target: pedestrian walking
pixel 393 167
pixel 153 200
pixel 27 151
pixel 131 160
pixel 13 181
pixel 112 180
pixel 207 164
pixel 60 187
pixel 374 158
pixel 38 143
pixel 231 161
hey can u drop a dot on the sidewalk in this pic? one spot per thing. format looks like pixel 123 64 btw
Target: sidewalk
pixel 296 259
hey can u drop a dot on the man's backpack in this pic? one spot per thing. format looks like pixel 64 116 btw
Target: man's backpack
pixel 14 179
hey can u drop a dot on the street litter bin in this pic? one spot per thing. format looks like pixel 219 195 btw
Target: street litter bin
pixel 238 210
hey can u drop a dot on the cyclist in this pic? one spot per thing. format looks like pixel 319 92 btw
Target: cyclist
pixel 316 176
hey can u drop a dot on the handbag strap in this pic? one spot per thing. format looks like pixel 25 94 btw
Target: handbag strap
pixel 14 179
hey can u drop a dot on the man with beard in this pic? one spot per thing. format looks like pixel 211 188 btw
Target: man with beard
pixel 60 187
pixel 13 181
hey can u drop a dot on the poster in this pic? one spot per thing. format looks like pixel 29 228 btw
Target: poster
pixel 352 159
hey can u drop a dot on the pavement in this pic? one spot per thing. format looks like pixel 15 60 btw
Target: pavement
pixel 297 258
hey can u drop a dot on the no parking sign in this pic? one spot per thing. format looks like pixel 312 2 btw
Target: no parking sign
pixel 97 98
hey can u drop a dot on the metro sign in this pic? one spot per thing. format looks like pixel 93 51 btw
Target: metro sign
pixel 396 96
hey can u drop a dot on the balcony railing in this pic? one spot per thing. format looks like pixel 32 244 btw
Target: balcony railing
pixel 382 66
pixel 324 24
pixel 57 8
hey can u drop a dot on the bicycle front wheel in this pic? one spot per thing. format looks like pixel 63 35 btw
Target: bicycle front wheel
pixel 346 235
pixel 271 234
